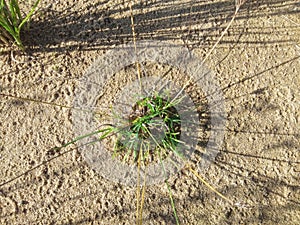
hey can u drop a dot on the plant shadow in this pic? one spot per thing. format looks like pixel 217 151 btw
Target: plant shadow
pixel 194 24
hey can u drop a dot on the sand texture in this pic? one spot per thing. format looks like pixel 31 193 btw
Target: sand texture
pixel 256 66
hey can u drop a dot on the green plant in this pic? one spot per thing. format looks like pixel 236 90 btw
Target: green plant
pixel 12 21
pixel 150 114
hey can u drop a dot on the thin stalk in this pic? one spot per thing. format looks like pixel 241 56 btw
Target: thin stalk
pixel 237 8
pixel 105 132
pixel 138 190
pixel 142 198
pixel 209 186
pixel 223 33
pixel 138 68
pixel 142 201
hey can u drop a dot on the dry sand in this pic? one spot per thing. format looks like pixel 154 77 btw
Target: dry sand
pixel 257 66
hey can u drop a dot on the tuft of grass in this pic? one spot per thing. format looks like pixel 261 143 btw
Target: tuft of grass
pixel 149 115
pixel 12 21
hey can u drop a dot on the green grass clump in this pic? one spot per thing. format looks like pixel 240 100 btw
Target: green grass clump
pixel 12 21
pixel 153 121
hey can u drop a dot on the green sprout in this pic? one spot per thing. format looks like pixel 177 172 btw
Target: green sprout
pixel 12 21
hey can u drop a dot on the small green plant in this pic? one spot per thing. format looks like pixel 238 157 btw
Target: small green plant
pixel 149 115
pixel 12 21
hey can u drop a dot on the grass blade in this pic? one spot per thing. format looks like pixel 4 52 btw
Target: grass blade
pixel 29 14
pixel 12 21
pixel 17 11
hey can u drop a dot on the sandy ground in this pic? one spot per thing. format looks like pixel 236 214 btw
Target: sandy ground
pixel 257 66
